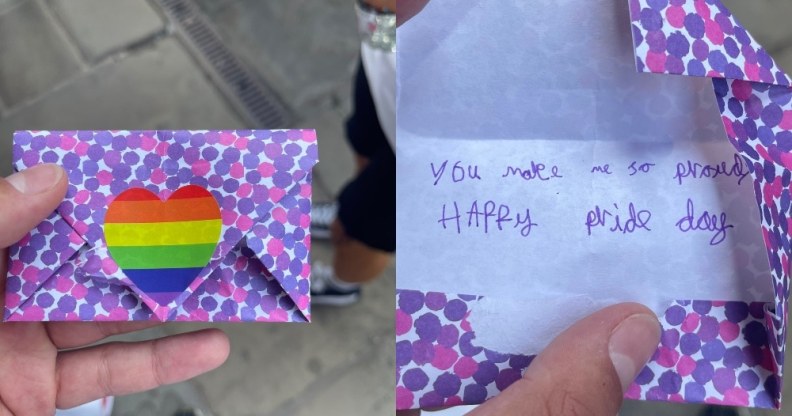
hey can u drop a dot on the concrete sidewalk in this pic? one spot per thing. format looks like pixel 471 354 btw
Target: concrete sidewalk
pixel 127 64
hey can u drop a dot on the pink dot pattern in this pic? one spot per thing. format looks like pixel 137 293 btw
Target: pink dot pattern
pixel 698 38
pixel 717 352
pixel 710 352
pixel 61 271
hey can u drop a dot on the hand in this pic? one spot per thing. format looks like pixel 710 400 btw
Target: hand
pixel 406 9
pixel 585 370
pixel 37 375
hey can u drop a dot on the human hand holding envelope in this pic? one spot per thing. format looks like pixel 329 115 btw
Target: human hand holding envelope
pixel 168 225
pixel 39 377
pixel 538 185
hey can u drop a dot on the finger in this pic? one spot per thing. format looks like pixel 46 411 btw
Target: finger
pixel 77 334
pixel 586 369
pixel 28 197
pixel 124 368
pixel 27 361
pixel 406 9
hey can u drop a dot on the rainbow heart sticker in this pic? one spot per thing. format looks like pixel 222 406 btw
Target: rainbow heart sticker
pixel 163 245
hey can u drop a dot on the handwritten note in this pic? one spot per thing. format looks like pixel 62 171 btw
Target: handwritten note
pixel 603 220
pixel 687 225
pixel 491 216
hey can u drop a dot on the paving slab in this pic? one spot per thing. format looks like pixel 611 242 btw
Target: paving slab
pixel 155 88
pixel 6 5
pixel 306 50
pixel 101 27
pixel 164 401
pixel 34 57
pixel 290 369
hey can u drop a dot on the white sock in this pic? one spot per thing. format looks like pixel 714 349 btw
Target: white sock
pixel 340 284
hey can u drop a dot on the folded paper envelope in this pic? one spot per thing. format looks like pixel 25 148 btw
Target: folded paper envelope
pixel 168 225
pixel 723 350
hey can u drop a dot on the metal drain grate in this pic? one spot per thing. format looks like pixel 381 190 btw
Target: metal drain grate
pixel 251 97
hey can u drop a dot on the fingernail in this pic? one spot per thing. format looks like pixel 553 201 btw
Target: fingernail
pixel 38 179
pixel 632 344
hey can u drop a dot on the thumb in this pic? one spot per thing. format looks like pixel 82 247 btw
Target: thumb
pixel 28 197
pixel 586 369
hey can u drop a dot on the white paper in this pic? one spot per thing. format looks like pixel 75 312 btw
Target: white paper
pixel 469 92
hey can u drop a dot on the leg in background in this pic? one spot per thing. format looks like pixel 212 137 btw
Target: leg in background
pixel 355 262
pixel 364 234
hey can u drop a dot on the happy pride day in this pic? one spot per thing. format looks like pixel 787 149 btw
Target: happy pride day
pixel 621 217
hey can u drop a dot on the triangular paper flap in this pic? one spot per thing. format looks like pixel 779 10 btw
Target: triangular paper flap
pixel 242 291
pixel 698 38
pixel 755 102
pixel 96 264
pixel 31 265
pixel 758 121
pixel 92 300
pixel 246 171
pixel 282 244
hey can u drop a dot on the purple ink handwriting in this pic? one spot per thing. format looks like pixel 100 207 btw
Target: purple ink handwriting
pixel 704 222
pixel 695 170
pixel 635 167
pixel 487 216
pixel 616 222
pixel 602 169
pixel 536 170
pixel 459 171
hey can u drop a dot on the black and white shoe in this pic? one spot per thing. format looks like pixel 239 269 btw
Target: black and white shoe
pixel 322 215
pixel 326 289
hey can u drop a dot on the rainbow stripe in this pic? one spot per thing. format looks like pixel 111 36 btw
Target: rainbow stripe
pixel 162 246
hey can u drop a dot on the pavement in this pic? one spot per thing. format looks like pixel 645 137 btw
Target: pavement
pixel 129 64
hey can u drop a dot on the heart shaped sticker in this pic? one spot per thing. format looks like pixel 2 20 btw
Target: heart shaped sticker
pixel 162 245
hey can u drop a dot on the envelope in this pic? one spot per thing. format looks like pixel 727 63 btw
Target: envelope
pixel 571 96
pixel 168 226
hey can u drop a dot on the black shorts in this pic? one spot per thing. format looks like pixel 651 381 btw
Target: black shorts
pixel 367 204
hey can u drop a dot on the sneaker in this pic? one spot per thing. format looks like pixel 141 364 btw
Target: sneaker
pixel 324 290
pixel 322 215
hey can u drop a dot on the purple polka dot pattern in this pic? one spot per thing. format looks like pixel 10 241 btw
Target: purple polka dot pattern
pixel 61 271
pixel 710 352
pixel 437 361
pixel 705 347
pixel 716 352
pixel 698 38
pixel 758 121
pixel 755 101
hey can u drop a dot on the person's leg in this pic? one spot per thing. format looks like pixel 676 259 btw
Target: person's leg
pixel 360 235
pixel 355 262
pixel 363 233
